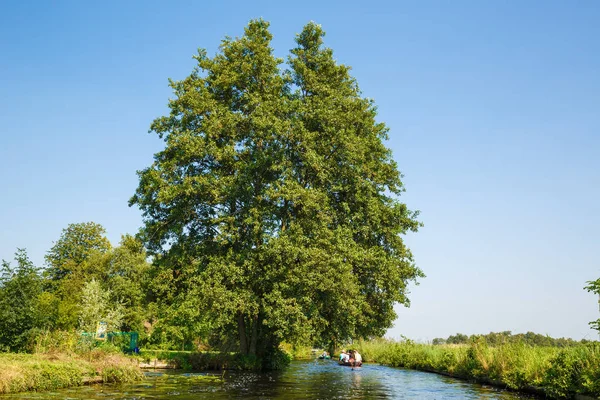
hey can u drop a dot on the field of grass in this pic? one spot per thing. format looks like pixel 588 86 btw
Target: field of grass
pixel 558 373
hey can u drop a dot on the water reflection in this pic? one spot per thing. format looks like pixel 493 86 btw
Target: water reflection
pixel 303 380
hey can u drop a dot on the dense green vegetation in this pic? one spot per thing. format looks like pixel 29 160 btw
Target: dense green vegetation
pixel 556 372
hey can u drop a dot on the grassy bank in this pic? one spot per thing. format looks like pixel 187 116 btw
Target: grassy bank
pixel 42 372
pixel 558 373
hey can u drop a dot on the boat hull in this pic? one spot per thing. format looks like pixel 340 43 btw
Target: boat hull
pixel 350 364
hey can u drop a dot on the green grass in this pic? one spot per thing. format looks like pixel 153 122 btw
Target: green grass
pixel 558 373
pixel 298 352
pixel 42 372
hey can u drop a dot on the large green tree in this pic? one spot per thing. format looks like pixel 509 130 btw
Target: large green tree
pixel 273 207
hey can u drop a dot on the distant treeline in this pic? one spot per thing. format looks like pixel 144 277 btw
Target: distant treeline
pixel 506 337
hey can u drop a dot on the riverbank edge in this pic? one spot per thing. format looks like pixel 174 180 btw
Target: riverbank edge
pixel 533 390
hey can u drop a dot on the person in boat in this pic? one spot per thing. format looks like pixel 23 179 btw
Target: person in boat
pixel 344 357
pixel 324 356
pixel 357 359
pixel 351 357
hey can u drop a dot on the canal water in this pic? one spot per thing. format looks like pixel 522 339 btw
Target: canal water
pixel 302 380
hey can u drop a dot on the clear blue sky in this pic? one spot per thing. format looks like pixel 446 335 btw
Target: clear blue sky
pixel 494 110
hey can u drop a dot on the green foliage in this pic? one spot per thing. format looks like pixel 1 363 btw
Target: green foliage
pixel 77 244
pixel 594 287
pixel 298 352
pixel 82 255
pixel 574 371
pixel 74 259
pixel 120 373
pixel 275 359
pixel 125 274
pixel 59 342
pixel 274 190
pixel 561 376
pixel 96 307
pixel 20 289
pixel 459 338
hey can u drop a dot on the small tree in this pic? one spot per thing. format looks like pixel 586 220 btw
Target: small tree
pixel 76 258
pixel 594 287
pixel 96 307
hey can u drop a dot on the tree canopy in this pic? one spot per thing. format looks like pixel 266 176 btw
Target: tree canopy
pixel 273 209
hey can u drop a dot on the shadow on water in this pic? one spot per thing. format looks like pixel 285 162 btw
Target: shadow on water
pixel 302 380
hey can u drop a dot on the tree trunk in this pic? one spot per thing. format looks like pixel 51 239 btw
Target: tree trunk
pixel 332 348
pixel 254 336
pixel 242 332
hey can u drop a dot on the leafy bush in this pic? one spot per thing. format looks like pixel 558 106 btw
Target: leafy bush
pixel 276 360
pixel 65 342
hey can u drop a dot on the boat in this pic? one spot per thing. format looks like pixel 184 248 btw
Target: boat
pixel 324 357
